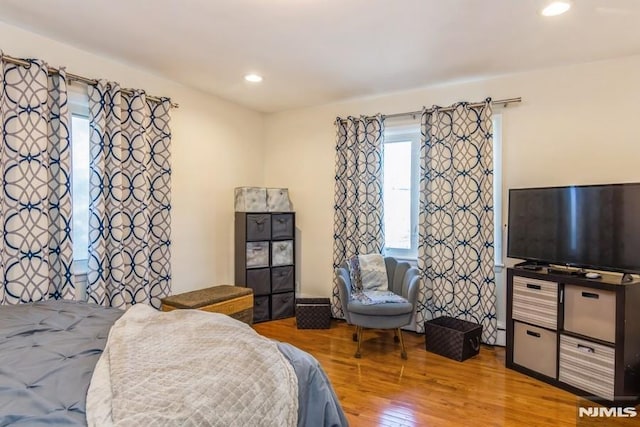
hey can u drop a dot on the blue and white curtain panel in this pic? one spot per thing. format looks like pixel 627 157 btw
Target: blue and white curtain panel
pixel 129 188
pixel 35 203
pixel 358 205
pixel 456 248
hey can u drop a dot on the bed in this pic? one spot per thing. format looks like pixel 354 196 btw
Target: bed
pixel 56 370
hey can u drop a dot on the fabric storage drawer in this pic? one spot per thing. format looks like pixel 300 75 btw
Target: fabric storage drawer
pixel 282 226
pixel 260 309
pixel 590 312
pixel 282 253
pixel 535 348
pixel 282 305
pixel 282 279
pixel 535 301
pixel 259 280
pixel 453 338
pixel 587 366
pixel 250 199
pixel 313 313
pixel 257 254
pixel 258 227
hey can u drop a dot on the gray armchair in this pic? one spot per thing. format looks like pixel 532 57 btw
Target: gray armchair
pixel 403 280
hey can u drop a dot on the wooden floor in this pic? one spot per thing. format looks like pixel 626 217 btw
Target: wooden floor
pixel 381 389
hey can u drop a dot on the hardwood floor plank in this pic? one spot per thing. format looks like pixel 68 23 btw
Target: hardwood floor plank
pixel 381 389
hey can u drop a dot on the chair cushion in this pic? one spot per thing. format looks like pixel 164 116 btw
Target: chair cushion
pixel 390 309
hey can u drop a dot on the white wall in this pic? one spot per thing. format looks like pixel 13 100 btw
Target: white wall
pixel 216 146
pixel 576 125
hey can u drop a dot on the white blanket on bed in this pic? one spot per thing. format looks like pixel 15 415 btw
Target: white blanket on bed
pixel 190 368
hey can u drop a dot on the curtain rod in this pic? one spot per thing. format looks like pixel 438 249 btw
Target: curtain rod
pixel 75 77
pixel 497 102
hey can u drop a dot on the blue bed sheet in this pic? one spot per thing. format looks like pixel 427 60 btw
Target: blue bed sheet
pixel 48 351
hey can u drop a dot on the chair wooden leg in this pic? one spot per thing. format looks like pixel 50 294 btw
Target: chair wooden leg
pixel 358 355
pixel 403 352
pixel 355 334
pixel 395 336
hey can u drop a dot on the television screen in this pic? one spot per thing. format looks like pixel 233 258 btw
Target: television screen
pixel 596 226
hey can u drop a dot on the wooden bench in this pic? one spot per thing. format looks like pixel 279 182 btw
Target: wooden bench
pixel 233 301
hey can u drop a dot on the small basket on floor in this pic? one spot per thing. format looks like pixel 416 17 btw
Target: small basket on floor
pixel 313 313
pixel 453 338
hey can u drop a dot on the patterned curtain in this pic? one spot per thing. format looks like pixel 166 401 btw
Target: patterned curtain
pixel 358 221
pixel 35 203
pixel 455 252
pixel 129 223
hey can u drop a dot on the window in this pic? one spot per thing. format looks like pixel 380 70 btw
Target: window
pixel 78 107
pixel 401 163
pixel 400 190
pixel 80 185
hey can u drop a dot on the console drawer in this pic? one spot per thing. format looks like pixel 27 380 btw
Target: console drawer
pixel 535 301
pixel 535 348
pixel 590 312
pixel 587 366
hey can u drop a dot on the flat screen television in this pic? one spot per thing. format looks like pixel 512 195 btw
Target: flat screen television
pixel 593 226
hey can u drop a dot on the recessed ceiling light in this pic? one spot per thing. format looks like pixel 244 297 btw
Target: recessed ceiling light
pixel 556 8
pixel 253 78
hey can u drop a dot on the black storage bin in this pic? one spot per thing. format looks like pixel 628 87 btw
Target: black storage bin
pixel 282 305
pixel 258 227
pixel 258 279
pixel 282 279
pixel 453 338
pixel 260 309
pixel 313 313
pixel 282 226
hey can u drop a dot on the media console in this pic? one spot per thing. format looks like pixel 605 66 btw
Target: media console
pixel 579 334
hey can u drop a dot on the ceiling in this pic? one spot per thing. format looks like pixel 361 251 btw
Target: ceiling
pixel 317 51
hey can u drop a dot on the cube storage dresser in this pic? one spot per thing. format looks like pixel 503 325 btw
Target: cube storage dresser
pixel 580 334
pixel 265 261
pixel 234 301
